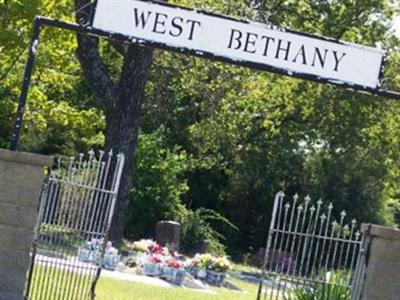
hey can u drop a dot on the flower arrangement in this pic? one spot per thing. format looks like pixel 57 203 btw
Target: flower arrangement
pixel 111 257
pixel 209 262
pixel 173 263
pixel 155 258
pixel 143 245
pixel 221 264
pixel 91 253
pixel 94 244
pixel 157 249
pixel 110 249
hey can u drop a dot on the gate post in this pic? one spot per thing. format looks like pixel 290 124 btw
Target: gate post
pixel 21 178
pixel 382 274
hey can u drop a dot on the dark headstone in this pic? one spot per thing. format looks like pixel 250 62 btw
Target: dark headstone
pixel 258 258
pixel 275 258
pixel 201 247
pixel 168 234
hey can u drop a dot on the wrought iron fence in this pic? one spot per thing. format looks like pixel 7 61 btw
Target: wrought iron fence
pixel 310 254
pixel 77 205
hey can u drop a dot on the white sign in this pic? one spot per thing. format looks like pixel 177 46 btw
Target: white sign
pixel 254 44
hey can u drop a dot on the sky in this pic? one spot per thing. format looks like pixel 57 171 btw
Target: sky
pixel 397 26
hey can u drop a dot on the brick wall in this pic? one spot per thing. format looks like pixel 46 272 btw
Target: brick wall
pixel 21 178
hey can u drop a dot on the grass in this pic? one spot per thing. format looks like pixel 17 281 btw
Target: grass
pixel 109 289
pixel 239 268
pixel 55 282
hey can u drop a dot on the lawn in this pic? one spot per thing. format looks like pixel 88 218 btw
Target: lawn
pixel 52 284
pixel 120 290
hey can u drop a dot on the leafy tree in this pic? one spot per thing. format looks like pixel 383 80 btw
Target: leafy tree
pixel 231 138
pixel 159 185
pixel 120 99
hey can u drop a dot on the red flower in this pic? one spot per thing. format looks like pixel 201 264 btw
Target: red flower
pixel 157 249
pixel 172 263
pixel 155 259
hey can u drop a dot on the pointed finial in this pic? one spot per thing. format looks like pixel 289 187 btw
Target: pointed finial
pixel 295 197
pixel 330 207
pixel 307 198
pixel 319 202
pixel 312 209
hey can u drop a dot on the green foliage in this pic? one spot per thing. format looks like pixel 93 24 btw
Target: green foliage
pixel 60 117
pixel 334 288
pixel 252 134
pixel 197 227
pixel 322 291
pixel 217 136
pixel 159 184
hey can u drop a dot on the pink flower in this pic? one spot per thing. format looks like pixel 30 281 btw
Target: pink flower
pixel 156 259
pixel 157 249
pixel 172 263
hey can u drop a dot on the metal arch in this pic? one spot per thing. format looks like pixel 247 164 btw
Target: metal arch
pixel 86 28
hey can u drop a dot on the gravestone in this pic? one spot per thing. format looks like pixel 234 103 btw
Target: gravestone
pixel 21 178
pixel 258 257
pixel 201 247
pixel 168 234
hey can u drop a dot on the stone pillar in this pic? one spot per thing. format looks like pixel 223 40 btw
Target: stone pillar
pixel 382 277
pixel 168 233
pixel 21 178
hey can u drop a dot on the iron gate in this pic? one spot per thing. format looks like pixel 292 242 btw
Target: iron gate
pixel 310 254
pixel 76 209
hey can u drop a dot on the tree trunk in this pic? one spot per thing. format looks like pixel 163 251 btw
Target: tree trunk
pixel 123 129
pixel 121 102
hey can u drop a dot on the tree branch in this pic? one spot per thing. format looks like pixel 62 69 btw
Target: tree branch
pixel 94 69
pixel 119 46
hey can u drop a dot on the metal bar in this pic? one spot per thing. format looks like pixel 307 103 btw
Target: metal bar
pixel 81 177
pixel 42 197
pixel 140 41
pixel 278 197
pixel 294 208
pixel 63 208
pixel 322 219
pixel 318 244
pixel 322 237
pixel 315 226
pixel 25 85
pixel 39 21
pixel 275 238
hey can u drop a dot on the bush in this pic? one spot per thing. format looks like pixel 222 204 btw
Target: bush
pixel 196 227
pixel 333 287
pixel 158 186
